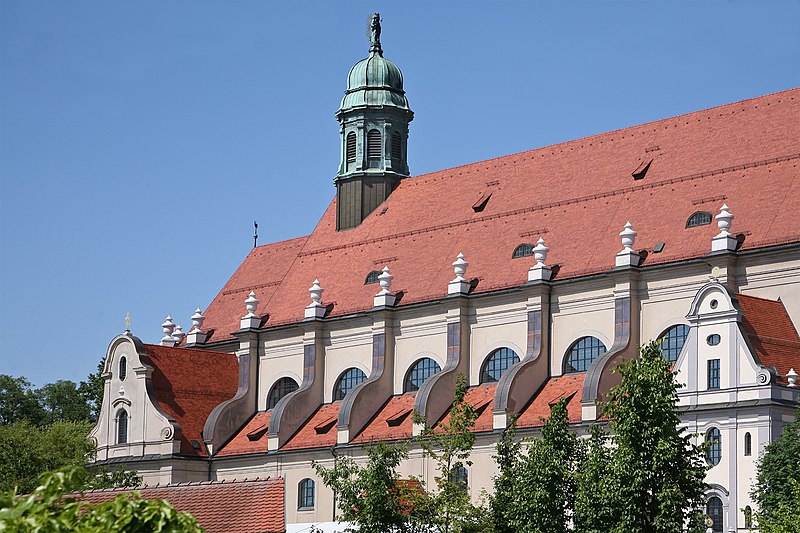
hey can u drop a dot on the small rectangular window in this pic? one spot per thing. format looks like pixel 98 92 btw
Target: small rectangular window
pixel 713 373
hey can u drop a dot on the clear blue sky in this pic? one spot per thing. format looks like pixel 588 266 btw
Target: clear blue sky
pixel 140 140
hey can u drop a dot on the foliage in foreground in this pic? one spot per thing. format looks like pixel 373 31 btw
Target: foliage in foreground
pixel 47 509
pixel 777 487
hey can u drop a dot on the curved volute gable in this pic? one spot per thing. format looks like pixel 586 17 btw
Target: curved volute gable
pixel 149 429
pixel 717 345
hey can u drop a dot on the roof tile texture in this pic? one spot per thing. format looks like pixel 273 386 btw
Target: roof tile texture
pixel 252 438
pixel 220 507
pixel 771 334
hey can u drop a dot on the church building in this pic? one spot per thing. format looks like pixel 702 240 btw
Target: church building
pixel 532 274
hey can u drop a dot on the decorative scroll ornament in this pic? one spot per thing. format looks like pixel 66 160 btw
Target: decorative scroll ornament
pixel 167 433
pixel 763 376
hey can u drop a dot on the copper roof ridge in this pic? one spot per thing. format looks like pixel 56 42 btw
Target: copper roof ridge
pixel 558 203
pixel 617 130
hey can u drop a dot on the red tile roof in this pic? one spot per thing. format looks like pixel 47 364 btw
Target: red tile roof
pixel 566 386
pixel 319 431
pixel 771 334
pixel 220 507
pixel 482 399
pixel 252 438
pixel 188 384
pixel 578 195
pixel 392 422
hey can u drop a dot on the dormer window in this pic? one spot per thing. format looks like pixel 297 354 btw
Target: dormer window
pixel 700 218
pixel 372 277
pixel 523 250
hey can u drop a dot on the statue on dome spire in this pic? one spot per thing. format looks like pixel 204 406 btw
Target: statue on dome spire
pixel 375 33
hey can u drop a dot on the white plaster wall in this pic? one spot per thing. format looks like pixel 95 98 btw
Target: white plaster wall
pixel 281 357
pixel 417 336
pixel 348 347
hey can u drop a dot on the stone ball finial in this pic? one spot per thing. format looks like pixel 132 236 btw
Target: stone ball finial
pixel 628 236
pixel 316 293
pixel 540 251
pixel 385 280
pixel 791 377
pixel 168 326
pixel 250 304
pixel 724 219
pixel 460 267
pixel 197 320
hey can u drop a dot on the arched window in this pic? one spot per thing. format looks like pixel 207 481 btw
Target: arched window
pixel 699 218
pixel 713 446
pixel 583 352
pixel 397 147
pixel 672 342
pixel 748 517
pixel 305 494
pixel 123 368
pixel 374 144
pixel 748 444
pixel 281 388
pixel 714 511
pixel 422 370
pixel 523 250
pixel 460 477
pixel 350 147
pixel 372 277
pixel 349 379
pixel 122 426
pixel 497 363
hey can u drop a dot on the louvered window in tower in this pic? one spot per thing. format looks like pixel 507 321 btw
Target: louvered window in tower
pixel 374 144
pixel 397 150
pixel 350 148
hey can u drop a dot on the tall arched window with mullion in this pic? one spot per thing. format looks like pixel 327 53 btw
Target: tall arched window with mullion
pixel 497 363
pixel 347 382
pixel 672 342
pixel 713 446
pixel 582 353
pixel 714 511
pixel 122 426
pixel 281 388
pixel 305 494
pixel 422 370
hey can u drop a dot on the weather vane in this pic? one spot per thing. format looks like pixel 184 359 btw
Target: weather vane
pixel 255 234
pixel 374 30
pixel 127 322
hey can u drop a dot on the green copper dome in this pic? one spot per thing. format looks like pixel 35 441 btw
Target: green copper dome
pixel 374 81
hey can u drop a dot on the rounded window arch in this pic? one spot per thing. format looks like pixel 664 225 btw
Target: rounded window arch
pixel 582 353
pixel 672 342
pixel 497 363
pixel 460 477
pixel 372 277
pixel 373 144
pixel 713 446
pixel 346 382
pixel 123 368
pixel 417 374
pixel 350 147
pixel 714 511
pixel 305 494
pixel 699 218
pixel 279 389
pixel 748 444
pixel 122 426
pixel 748 517
pixel 523 250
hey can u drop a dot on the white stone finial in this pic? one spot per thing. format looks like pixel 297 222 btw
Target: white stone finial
pixel 459 285
pixel 791 377
pixel 724 219
pixel 540 271
pixel 627 256
pixel 724 240
pixel 168 327
pixel 250 320
pixel 460 267
pixel 628 236
pixel 196 333
pixel 385 297
pixel 315 309
pixel 178 334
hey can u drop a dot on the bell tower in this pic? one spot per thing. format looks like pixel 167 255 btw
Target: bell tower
pixel 374 118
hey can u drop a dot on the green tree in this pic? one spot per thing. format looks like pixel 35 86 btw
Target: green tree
pixel 785 516
pixel 47 509
pixel 779 473
pixel 656 477
pixel 449 507
pixel 373 497
pixel 63 402
pixel 535 490
pixel 92 390
pixel 593 510
pixel 19 401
